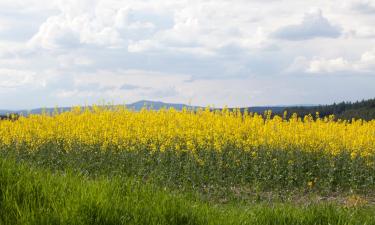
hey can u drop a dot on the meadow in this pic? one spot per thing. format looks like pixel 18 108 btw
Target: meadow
pixel 112 165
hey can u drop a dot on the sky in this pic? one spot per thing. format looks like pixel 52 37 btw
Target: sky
pixel 206 52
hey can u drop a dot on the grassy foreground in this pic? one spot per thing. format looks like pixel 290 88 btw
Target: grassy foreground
pixel 30 195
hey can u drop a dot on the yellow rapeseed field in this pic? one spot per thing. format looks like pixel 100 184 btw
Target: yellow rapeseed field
pixel 203 130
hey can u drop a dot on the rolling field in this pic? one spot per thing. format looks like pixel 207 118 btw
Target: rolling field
pixel 107 165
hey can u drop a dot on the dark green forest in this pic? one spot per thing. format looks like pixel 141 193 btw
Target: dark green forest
pixel 364 109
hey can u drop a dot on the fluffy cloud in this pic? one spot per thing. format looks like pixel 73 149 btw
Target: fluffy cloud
pixel 365 64
pixel 314 25
pixel 364 6
pixel 97 23
pixel 10 78
pixel 142 26
pixel 364 32
pixel 27 6
pixel 328 65
pixel 58 32
pixel 367 61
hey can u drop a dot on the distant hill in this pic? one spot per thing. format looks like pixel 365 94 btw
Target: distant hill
pixel 4 112
pixel 34 111
pixel 134 106
pixel 156 105
pixel 364 109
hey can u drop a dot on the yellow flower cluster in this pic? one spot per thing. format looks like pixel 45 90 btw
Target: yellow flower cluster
pixel 119 128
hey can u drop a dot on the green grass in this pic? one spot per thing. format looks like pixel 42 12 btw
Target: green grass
pixel 33 195
pixel 229 175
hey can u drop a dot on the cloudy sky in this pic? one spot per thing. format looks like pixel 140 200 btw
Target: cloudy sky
pixel 216 52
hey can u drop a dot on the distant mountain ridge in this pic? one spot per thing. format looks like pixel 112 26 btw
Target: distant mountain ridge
pixel 134 106
pixel 156 105
pixel 364 109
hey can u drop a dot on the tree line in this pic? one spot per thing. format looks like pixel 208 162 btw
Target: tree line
pixel 364 109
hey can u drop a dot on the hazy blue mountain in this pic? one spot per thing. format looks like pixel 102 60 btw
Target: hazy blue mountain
pixel 364 109
pixel 156 105
pixel 34 111
pixel 4 112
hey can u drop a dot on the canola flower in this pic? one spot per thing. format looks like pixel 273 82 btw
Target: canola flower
pixel 121 129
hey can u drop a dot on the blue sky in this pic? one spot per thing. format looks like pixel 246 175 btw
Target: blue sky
pixel 207 52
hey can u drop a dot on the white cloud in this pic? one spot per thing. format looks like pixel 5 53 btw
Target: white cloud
pixel 143 45
pixel 97 23
pixel 365 64
pixel 74 60
pixel 364 6
pixel 59 32
pixel 314 25
pixel 328 65
pixel 10 78
pixel 141 26
pixel 4 25
pixel 28 6
pixel 367 61
pixel 364 32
